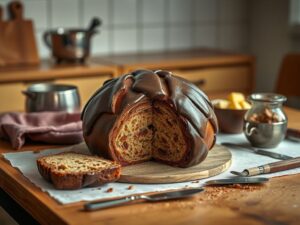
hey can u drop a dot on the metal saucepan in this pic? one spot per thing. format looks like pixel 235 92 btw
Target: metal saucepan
pixel 52 97
pixel 71 44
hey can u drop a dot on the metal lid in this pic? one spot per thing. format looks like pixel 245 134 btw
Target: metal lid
pixel 267 97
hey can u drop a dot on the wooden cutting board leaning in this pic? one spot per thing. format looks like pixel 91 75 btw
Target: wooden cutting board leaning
pixel 217 161
pixel 17 40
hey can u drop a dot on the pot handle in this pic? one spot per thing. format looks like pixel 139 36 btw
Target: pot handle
pixel 94 23
pixel 46 38
pixel 29 94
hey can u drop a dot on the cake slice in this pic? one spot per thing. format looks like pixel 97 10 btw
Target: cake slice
pixel 70 170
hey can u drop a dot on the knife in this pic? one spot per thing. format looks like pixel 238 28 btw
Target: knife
pixel 293 134
pixel 183 193
pixel 270 168
pixel 175 194
pixel 259 151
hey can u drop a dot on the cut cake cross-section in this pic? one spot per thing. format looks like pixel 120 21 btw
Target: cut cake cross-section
pixel 70 170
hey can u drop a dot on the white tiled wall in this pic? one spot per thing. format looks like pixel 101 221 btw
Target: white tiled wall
pixel 146 25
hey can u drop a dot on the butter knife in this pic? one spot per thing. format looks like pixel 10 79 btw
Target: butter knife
pixel 259 151
pixel 91 206
pixel 175 194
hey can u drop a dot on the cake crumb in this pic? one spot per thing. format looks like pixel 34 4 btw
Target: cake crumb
pixel 36 151
pixel 195 181
pixel 130 187
pixel 109 190
pixel 238 186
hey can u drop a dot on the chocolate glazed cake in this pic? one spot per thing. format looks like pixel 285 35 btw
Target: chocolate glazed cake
pixel 150 115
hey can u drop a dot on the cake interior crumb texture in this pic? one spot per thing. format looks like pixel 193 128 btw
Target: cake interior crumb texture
pixel 76 163
pixel 151 132
pixel 70 170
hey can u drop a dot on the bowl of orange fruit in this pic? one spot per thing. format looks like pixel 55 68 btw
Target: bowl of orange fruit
pixel 230 112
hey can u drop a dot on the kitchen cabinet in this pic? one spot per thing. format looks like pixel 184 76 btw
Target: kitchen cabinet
pixel 216 72
pixel 88 78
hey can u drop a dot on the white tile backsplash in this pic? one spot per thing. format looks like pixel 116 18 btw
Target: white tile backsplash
pixel 146 25
pixel 153 11
pixel 65 13
pixel 179 37
pixel 180 11
pixel 37 11
pixel 96 8
pixel 124 12
pixel 100 42
pixel 205 36
pixel 125 40
pixel 233 37
pixel 205 11
pixel 153 39
pixel 232 11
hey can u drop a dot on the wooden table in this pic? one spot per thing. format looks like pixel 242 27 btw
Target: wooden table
pixel 275 203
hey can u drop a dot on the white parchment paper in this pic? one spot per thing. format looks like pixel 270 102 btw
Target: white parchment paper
pixel 241 159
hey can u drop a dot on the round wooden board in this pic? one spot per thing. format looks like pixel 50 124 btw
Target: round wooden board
pixel 217 161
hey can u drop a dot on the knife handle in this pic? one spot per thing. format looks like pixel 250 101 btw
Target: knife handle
pixel 110 203
pixel 274 167
pixel 293 134
pixel 284 165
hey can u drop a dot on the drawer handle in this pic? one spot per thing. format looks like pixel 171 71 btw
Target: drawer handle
pixel 200 82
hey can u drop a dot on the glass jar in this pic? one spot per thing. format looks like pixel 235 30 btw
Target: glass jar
pixel 265 124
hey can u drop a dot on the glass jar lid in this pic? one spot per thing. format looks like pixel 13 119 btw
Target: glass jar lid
pixel 267 97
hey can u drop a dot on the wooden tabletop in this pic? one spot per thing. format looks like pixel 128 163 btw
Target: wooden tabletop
pixel 275 203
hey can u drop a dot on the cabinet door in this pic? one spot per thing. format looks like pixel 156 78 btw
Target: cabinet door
pixel 11 97
pixel 220 79
pixel 87 86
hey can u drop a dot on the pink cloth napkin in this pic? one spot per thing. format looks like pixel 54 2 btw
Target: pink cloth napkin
pixel 47 127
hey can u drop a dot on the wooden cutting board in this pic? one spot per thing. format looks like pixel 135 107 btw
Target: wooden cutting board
pixel 217 161
pixel 17 40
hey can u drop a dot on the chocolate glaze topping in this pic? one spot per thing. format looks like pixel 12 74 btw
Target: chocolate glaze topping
pixel 119 94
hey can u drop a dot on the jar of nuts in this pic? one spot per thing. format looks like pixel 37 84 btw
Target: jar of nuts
pixel 265 124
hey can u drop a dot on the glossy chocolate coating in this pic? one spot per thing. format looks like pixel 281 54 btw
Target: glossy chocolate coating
pixel 119 95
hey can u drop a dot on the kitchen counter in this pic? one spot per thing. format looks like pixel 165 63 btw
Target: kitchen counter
pixel 276 202
pixel 175 59
pixel 87 77
pixel 214 71
pixel 49 70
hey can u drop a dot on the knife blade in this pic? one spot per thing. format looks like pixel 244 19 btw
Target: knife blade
pixel 174 194
pixel 259 151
